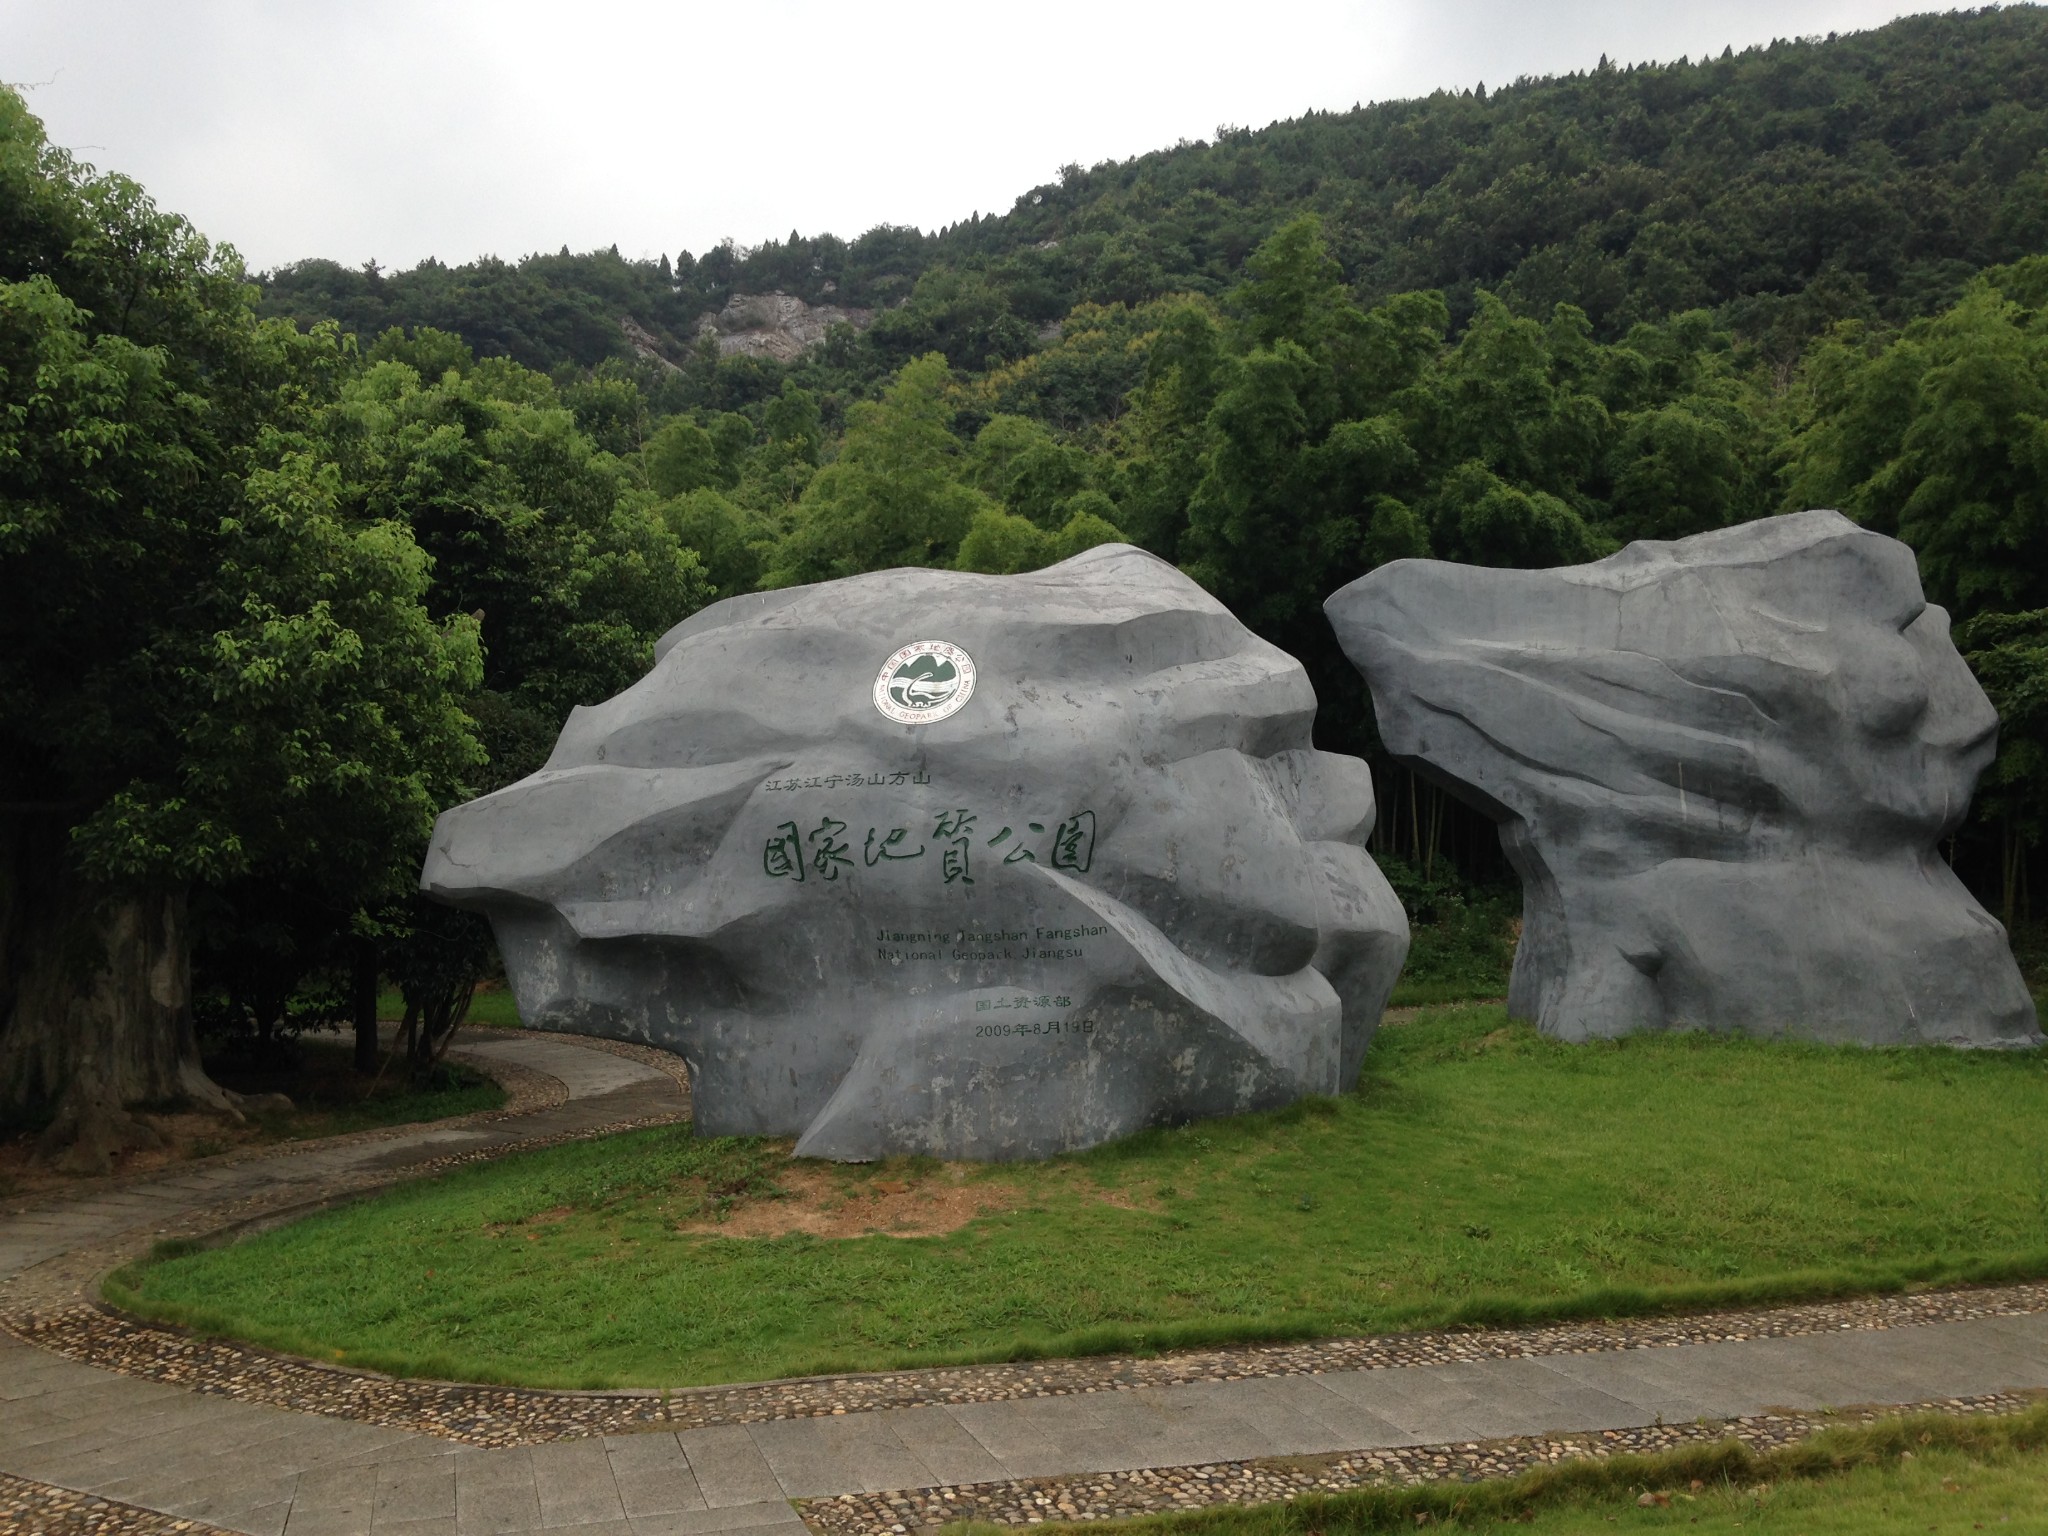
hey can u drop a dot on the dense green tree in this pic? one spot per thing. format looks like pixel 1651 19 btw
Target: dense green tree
pixel 1940 436
pixel 1082 375
pixel 530 525
pixel 1019 463
pixel 608 408
pixel 682 457
pixel 539 539
pixel 793 422
pixel 733 543
pixel 329 826
pixel 1087 524
pixel 894 495
pixel 1509 397
pixel 1160 439
pixel 1258 536
pixel 1293 289
pixel 2009 654
pixel 999 543
pixel 206 672
pixel 960 315
pixel 1686 467
pixel 1479 518
pixel 426 351
pixel 1471 449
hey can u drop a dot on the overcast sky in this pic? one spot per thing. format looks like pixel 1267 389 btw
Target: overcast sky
pixel 398 129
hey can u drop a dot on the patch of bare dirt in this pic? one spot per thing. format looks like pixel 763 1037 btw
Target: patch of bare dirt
pixel 827 1201
pixel 830 1200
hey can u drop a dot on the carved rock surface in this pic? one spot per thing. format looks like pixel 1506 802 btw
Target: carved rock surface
pixel 1721 767
pixel 1113 888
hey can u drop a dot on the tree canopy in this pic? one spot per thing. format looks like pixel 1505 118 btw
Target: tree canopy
pixel 266 607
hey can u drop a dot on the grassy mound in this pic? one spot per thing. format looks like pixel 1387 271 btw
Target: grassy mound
pixel 1480 1174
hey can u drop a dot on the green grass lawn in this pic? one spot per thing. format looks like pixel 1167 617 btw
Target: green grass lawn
pixel 489 1005
pixel 1479 1174
pixel 1452 989
pixel 1936 1491
pixel 1461 942
pixel 1955 1475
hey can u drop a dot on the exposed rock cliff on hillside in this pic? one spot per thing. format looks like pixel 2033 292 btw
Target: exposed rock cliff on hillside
pixel 775 325
pixel 644 342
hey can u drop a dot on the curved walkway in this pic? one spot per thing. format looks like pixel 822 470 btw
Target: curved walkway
pixel 248 1442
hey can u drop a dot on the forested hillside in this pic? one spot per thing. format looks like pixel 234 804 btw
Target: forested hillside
pixel 1782 187
pixel 287 566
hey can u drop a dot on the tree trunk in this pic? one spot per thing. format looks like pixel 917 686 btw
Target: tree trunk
pixel 95 1003
pixel 2009 872
pixel 363 1004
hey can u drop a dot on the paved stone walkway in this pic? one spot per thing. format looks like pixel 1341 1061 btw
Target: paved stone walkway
pixel 268 1470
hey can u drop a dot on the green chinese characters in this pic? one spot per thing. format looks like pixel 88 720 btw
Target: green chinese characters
pixel 824 851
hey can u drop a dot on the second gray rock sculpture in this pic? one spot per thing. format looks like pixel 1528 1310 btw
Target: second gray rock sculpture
pixel 1721 767
pixel 978 866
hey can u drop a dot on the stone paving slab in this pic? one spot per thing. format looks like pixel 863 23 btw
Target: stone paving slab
pixel 574 1483
pixel 410 1491
pixel 942 1443
pixel 768 1515
pixel 2025 1336
pixel 727 1466
pixel 1346 1423
pixel 651 1475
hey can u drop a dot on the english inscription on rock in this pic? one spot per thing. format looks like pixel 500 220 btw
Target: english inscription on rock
pixel 978 866
pixel 1722 767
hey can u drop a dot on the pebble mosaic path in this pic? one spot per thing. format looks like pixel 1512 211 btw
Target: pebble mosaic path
pixel 107 1426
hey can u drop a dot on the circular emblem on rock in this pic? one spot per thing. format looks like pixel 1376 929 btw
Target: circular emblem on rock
pixel 925 681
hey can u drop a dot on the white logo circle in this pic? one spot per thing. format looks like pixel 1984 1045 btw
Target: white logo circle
pixel 925 681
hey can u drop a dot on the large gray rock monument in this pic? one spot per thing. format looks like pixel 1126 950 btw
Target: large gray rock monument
pixel 1721 767
pixel 978 866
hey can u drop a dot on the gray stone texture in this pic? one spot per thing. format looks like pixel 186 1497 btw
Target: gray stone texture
pixel 1118 888
pixel 1721 767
